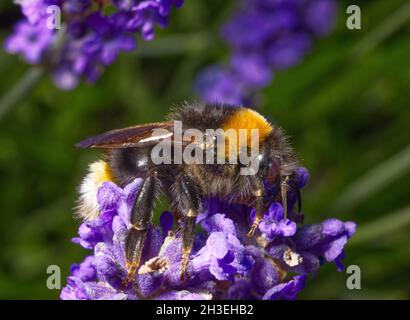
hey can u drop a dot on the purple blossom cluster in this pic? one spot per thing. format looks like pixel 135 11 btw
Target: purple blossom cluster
pixel 265 36
pixel 95 32
pixel 225 263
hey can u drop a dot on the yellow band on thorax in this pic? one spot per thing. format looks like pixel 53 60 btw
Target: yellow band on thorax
pixel 248 120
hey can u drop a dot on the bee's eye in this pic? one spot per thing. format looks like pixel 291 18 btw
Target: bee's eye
pixel 141 162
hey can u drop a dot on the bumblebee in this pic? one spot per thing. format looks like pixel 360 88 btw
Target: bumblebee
pixel 128 155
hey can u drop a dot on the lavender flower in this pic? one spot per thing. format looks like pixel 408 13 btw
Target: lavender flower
pixel 92 40
pixel 265 36
pixel 220 85
pixel 33 10
pixel 30 40
pixel 225 262
pixel 272 224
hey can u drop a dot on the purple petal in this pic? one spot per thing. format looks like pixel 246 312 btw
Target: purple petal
pixel 79 290
pixel 149 283
pixel 276 211
pixel 335 248
pixel 167 222
pixel 288 228
pixel 85 270
pixel 266 274
pixel 182 295
pixel 287 290
pixel 88 237
pixel 333 227
pixel 109 196
pixel 302 177
pixel 350 228
pixel 218 223
pixel 252 69
pixel 108 267
pixel 288 50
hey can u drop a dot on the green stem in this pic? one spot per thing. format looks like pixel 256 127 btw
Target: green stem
pixel 20 90
pixel 31 78
pixel 175 44
pixel 374 181
pixel 383 31
pixel 388 224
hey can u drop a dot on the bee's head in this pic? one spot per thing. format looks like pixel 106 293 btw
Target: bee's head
pixel 277 161
pixel 277 154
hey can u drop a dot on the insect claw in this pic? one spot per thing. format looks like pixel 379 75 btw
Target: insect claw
pixel 132 268
pixel 251 232
pixel 253 227
pixel 184 263
pixel 182 277
pixel 284 185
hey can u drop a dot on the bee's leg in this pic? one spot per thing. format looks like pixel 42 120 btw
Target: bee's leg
pixel 178 218
pixel 188 198
pixel 299 197
pixel 260 205
pixel 141 216
pixel 188 233
pixel 284 186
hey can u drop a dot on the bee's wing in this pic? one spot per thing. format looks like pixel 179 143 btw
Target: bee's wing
pixel 136 136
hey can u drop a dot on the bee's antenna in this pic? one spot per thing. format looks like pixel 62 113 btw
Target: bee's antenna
pixel 299 195
pixel 284 185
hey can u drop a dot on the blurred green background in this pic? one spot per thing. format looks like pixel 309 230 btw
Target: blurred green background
pixel 346 107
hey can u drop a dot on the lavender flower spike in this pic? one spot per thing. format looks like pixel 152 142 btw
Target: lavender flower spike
pixel 225 262
pixel 93 39
pixel 265 37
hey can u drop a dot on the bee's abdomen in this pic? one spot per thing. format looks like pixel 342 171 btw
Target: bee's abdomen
pixel 214 180
pixel 87 205
pixel 129 163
